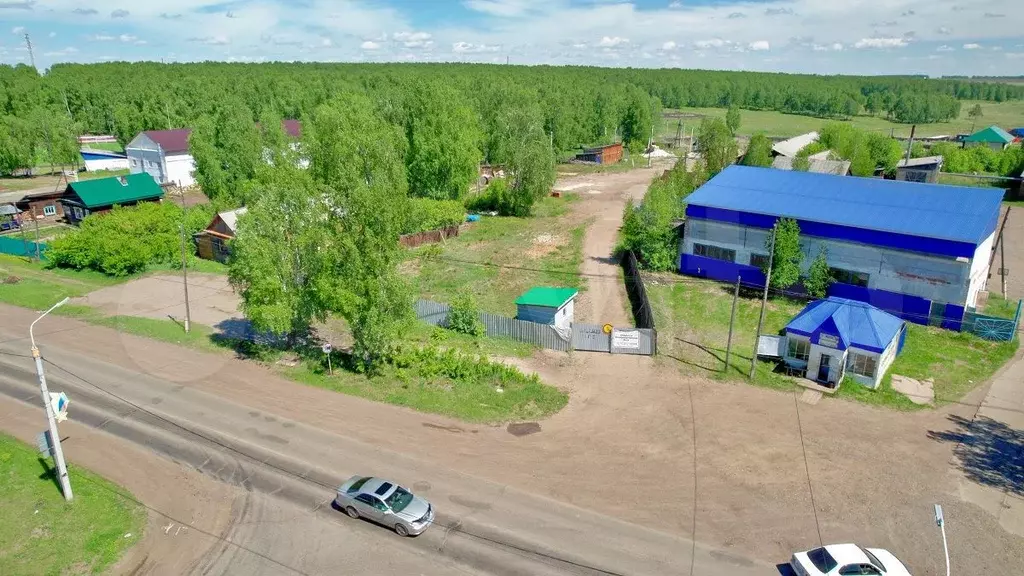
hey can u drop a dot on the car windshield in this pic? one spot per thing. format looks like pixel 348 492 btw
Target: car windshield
pixel 874 559
pixel 822 560
pixel 399 499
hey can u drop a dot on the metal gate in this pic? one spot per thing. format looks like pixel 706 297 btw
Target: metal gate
pixel 606 338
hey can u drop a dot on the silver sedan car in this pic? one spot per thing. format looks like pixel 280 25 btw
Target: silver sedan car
pixel 385 503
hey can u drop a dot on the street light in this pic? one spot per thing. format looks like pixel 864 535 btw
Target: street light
pixel 58 454
pixel 942 526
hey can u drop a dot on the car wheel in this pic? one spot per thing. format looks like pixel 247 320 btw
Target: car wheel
pixel 352 512
pixel 401 530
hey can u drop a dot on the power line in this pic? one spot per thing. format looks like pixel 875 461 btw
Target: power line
pixel 807 468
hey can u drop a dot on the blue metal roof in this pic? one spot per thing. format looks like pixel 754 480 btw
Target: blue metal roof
pixel 859 324
pixel 955 213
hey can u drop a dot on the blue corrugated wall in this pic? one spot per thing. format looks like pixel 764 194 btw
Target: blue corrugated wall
pixel 911 308
pixel 538 314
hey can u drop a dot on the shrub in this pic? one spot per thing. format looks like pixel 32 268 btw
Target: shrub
pixel 432 364
pixel 500 197
pixel 819 278
pixel 463 316
pixel 427 214
pixel 127 240
pixel 648 229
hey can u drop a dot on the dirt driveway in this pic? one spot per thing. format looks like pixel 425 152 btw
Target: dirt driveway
pixel 1013 235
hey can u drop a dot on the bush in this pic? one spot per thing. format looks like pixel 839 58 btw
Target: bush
pixel 500 197
pixel 126 241
pixel 819 277
pixel 464 317
pixel 426 214
pixel 433 364
pixel 648 229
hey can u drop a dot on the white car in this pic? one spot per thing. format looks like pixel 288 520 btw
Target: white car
pixel 847 560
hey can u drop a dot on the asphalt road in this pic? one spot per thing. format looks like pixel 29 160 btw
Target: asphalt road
pixel 481 527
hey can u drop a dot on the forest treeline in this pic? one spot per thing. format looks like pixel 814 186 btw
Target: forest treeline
pixel 579 105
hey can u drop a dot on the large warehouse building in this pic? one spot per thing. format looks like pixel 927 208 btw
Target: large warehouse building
pixel 920 251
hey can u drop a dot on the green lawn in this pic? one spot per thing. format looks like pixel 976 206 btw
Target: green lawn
pixel 1004 114
pixel 693 324
pixel 1000 307
pixel 40 533
pixel 109 146
pixel 545 250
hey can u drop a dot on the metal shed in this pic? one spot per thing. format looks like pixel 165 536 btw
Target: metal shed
pixel 547 305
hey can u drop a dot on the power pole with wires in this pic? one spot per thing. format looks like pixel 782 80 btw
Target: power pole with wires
pixel 910 144
pixel 36 221
pixel 184 265
pixel 764 302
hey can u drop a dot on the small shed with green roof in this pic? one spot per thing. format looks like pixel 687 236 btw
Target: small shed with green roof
pixel 994 137
pixel 102 194
pixel 547 305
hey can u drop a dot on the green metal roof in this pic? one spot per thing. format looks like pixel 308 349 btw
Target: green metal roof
pixel 990 134
pixel 109 191
pixel 546 296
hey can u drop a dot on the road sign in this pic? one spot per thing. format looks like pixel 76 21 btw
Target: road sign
pixel 607 328
pixel 43 442
pixel 326 348
pixel 59 404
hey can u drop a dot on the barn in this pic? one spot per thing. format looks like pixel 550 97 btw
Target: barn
pixel 213 242
pixel 609 154
pixel 919 169
pixel 102 194
pixel 918 251
pixel 994 137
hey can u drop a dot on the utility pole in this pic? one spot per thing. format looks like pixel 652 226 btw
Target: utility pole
pixel 910 144
pixel 764 301
pixel 31 54
pixel 36 221
pixel 1002 262
pixel 732 319
pixel 941 522
pixel 58 453
pixel 650 147
pixel 184 266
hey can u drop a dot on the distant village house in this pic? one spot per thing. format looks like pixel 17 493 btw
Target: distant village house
pixel 102 194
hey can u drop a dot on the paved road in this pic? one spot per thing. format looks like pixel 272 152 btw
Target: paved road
pixel 481 525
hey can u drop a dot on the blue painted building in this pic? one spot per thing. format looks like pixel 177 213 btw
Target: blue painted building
pixel 837 337
pixel 547 305
pixel 919 251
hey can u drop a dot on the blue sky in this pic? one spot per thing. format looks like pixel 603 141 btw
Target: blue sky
pixel 935 37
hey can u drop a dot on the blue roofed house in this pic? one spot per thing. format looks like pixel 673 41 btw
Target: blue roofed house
pixel 920 251
pixel 838 337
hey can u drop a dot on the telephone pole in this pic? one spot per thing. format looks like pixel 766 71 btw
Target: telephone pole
pixel 184 265
pixel 54 442
pixel 36 221
pixel 910 144
pixel 764 301
pixel 732 320
pixel 31 54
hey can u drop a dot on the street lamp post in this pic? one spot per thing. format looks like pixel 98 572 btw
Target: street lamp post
pixel 58 454
pixel 941 522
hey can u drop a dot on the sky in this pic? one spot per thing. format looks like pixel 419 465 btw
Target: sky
pixel 933 37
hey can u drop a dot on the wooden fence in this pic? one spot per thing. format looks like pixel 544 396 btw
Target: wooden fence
pixel 428 237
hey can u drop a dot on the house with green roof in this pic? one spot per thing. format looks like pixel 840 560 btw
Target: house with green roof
pixel 102 194
pixel 547 305
pixel 994 137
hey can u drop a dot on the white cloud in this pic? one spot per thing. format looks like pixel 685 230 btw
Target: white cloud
pixel 52 35
pixel 612 41
pixel 467 47
pixel 18 30
pixel 210 40
pixel 971 46
pixel 62 52
pixel 713 43
pixel 504 8
pixel 944 31
pixel 326 42
pixel 580 45
pixel 414 39
pixel 369 45
pixel 759 45
pixel 101 38
pixel 120 13
pixel 670 45
pixel 127 38
pixel 880 43
pixel 945 48
pixel 675 4
pixel 833 47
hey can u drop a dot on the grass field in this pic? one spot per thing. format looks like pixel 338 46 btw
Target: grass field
pixel 693 325
pixel 544 250
pixel 1004 114
pixel 40 533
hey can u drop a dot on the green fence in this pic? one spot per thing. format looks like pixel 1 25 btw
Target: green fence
pixel 991 327
pixel 19 247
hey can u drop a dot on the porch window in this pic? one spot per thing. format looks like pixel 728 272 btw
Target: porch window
pixel 799 349
pixel 850 277
pixel 714 252
pixel 862 365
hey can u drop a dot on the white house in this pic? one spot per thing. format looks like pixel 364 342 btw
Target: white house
pixel 834 338
pixel 164 155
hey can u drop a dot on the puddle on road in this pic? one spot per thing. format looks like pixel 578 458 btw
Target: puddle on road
pixel 520 429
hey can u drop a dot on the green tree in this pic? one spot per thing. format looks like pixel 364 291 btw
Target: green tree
pixel 788 256
pixel 520 144
pixel 463 316
pixel 974 113
pixel 716 143
pixel 637 118
pixel 17 144
pixel 819 277
pixel 732 119
pixel 759 151
pixel 444 139
pixel 228 150
pixel 802 163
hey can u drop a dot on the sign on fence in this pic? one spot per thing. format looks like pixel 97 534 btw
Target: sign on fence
pixel 625 339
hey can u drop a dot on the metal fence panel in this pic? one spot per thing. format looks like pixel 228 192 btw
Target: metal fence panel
pixel 19 247
pixel 991 327
pixel 590 337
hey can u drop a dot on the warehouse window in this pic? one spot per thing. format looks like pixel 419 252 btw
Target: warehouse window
pixel 850 277
pixel 714 252
pixel 862 365
pixel 799 349
pixel 759 261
